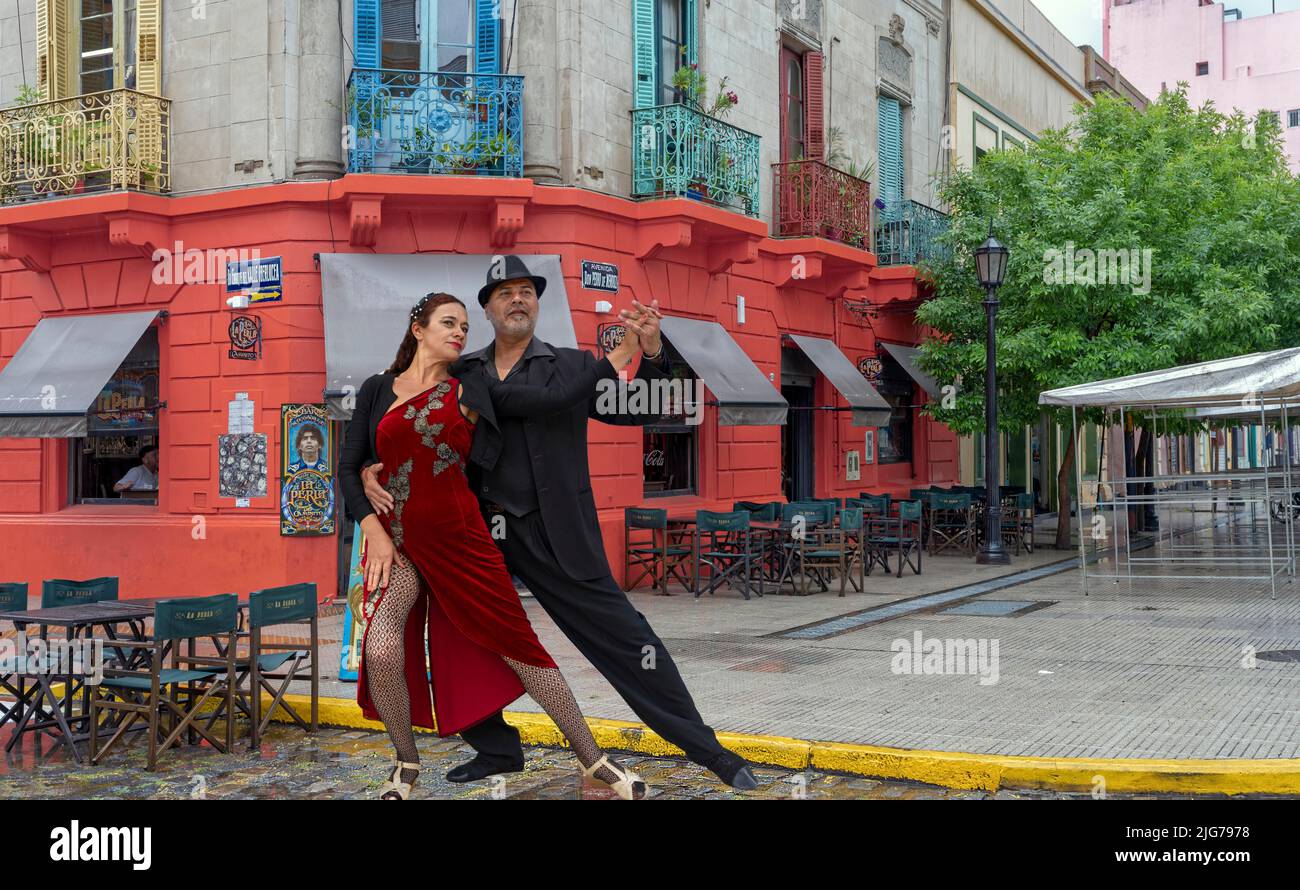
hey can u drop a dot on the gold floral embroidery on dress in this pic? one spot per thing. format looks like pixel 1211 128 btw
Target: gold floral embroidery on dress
pixel 435 399
pixel 399 486
pixel 428 431
pixel 448 457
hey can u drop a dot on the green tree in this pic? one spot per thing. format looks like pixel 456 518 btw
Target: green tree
pixel 1208 194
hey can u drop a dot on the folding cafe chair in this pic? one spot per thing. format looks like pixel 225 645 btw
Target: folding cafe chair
pixel 952 522
pixel 13 598
pixel 900 534
pixel 723 544
pixel 654 551
pixel 267 660
pixel 171 698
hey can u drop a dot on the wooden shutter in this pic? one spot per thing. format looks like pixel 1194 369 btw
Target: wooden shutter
pixel 365 33
pixel 487 30
pixel 148 36
pixel 54 61
pixel 814 103
pixel 691 34
pixel 644 80
pixel 890 144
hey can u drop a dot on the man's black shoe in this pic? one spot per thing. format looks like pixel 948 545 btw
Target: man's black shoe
pixel 732 769
pixel 483 766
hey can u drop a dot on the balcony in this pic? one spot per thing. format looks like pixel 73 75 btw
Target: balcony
pixel 907 232
pixel 116 139
pixel 678 151
pixel 437 122
pixel 813 199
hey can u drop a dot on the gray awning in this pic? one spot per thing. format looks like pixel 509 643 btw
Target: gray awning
pixel 744 395
pixel 61 368
pixel 868 406
pixel 909 358
pixel 367 299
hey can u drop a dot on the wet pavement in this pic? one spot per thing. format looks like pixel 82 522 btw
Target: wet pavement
pixel 342 763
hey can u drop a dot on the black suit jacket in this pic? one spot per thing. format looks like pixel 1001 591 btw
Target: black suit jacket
pixel 561 477
pixel 505 402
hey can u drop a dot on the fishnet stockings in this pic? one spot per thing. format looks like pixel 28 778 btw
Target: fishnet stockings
pixel 385 667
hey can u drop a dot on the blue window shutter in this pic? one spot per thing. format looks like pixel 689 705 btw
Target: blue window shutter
pixel 644 80
pixel 365 28
pixel 487 49
pixel 890 144
pixel 690 10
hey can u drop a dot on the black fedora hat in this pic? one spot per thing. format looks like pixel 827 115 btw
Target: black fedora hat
pixel 514 268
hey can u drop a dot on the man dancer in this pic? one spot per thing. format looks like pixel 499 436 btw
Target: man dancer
pixel 540 483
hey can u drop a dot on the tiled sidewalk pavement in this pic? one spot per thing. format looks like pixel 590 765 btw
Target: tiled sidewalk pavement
pixel 340 763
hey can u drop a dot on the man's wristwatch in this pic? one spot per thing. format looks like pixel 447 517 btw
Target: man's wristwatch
pixel 658 355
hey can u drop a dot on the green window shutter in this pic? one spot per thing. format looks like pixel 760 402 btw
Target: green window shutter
pixel 890 143
pixel 690 10
pixel 643 53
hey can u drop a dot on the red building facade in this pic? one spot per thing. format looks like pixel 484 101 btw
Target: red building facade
pixel 96 255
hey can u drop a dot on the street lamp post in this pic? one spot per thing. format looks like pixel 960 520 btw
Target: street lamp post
pixel 991 265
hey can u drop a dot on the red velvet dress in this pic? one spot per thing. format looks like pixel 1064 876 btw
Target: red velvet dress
pixel 473 614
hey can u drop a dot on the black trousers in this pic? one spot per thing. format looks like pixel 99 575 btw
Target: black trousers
pixel 611 634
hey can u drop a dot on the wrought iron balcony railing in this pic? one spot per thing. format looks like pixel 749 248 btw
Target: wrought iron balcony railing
pixel 435 122
pixel 682 152
pixel 116 139
pixel 907 232
pixel 815 199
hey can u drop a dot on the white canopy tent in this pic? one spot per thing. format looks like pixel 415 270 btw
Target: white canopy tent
pixel 1244 390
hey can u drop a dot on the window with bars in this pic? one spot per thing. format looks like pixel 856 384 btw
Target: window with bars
pixel 1293 117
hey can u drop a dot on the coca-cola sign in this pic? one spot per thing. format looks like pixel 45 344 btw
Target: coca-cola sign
pixel 654 458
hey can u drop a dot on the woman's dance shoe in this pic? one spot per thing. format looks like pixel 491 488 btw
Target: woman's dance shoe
pixel 395 788
pixel 630 786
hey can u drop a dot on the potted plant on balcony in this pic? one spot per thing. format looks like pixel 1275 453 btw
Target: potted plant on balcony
pixel 692 87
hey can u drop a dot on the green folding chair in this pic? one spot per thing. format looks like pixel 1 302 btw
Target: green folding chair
pixel 61 592
pixel 654 551
pixel 291 604
pixel 171 699
pixel 723 544
pixel 13 598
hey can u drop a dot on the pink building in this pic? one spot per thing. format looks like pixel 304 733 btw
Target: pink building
pixel 1247 63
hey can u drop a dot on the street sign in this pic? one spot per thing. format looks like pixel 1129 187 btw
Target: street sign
pixel 600 276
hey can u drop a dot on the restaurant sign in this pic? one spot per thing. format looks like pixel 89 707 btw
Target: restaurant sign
pixel 245 337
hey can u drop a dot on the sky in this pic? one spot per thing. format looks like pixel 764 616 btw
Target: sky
pixel 1080 20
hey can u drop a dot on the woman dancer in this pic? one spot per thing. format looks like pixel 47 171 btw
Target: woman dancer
pixel 433 553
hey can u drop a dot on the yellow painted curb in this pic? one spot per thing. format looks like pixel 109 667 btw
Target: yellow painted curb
pixel 948 769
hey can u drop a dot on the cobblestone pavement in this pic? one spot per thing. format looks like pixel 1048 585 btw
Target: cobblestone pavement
pixel 341 763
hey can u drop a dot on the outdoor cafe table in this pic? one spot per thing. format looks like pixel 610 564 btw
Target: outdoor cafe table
pixel 76 619
pixel 769 533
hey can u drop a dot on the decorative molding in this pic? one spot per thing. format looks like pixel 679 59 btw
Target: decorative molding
pixel 812 269
pixel 364 218
pixel 507 220
pixel 840 283
pixel 29 248
pixel 143 232
pixel 653 238
pixel 732 252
